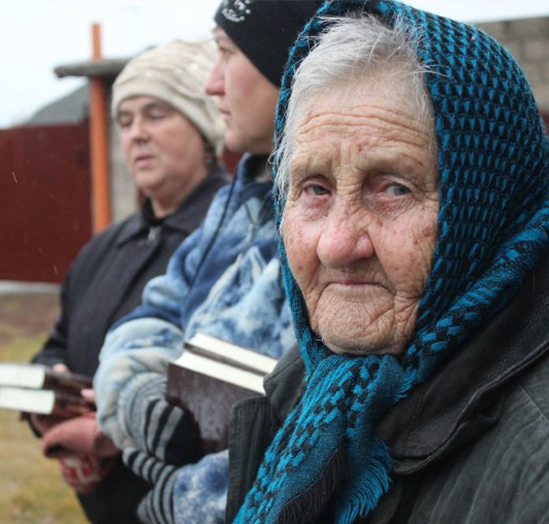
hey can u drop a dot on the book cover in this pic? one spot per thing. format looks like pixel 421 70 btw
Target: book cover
pixel 38 376
pixel 44 402
pixel 209 378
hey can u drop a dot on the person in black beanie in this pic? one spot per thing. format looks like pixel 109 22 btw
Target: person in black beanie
pixel 264 30
pixel 235 294
pixel 253 37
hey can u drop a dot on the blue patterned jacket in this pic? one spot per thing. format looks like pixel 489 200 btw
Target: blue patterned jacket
pixel 216 282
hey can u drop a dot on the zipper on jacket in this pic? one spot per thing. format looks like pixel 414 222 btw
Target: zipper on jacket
pixel 154 234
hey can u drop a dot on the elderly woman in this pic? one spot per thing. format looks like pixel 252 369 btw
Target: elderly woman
pixel 413 181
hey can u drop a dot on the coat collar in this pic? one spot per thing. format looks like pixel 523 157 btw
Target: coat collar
pixel 185 219
pixel 464 397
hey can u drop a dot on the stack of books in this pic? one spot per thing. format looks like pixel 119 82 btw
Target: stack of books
pixel 209 378
pixel 34 388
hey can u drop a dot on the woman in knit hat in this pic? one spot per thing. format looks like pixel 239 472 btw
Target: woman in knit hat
pixel 171 134
pixel 413 199
pixel 171 130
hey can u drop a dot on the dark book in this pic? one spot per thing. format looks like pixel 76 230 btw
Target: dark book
pixel 38 376
pixel 35 388
pixel 44 402
pixel 209 378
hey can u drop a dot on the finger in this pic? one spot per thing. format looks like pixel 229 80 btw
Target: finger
pixel 88 394
pixel 60 368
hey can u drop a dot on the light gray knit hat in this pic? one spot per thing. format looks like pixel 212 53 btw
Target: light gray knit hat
pixel 176 74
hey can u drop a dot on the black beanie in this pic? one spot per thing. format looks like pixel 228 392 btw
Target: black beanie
pixel 265 30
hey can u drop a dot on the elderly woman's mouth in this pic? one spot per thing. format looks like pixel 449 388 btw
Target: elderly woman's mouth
pixel 350 282
pixel 355 288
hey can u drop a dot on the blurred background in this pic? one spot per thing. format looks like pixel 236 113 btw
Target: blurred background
pixel 58 60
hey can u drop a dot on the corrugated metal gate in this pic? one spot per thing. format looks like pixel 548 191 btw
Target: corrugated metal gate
pixel 45 200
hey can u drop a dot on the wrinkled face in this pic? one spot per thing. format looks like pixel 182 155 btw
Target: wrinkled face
pixel 360 222
pixel 247 100
pixel 164 152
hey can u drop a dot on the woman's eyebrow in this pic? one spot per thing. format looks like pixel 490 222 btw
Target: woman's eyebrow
pixel 302 164
pixel 156 104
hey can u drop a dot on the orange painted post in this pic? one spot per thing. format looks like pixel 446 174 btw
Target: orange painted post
pixel 99 143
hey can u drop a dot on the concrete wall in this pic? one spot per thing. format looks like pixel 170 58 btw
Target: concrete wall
pixel 528 41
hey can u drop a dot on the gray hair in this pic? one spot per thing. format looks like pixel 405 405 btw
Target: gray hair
pixel 353 52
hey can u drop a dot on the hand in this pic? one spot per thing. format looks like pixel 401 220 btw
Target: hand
pixel 157 506
pixel 86 455
pixel 85 474
pixel 78 436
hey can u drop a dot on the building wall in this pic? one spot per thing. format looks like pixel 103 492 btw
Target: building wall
pixel 528 41
pixel 124 198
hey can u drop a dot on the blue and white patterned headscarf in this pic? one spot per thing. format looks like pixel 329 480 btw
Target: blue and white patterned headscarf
pixel 493 163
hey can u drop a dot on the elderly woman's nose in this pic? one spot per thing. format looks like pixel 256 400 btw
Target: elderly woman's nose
pixel 344 240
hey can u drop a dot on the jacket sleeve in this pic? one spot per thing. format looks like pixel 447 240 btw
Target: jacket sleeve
pixel 54 350
pixel 200 490
pixel 144 342
pixel 193 493
pixel 75 282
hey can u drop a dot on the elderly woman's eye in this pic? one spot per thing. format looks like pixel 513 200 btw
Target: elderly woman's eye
pixel 397 190
pixel 316 190
pixel 158 114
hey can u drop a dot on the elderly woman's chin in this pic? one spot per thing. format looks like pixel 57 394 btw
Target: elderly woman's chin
pixel 361 331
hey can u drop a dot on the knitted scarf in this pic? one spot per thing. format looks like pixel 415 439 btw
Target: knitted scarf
pixel 326 464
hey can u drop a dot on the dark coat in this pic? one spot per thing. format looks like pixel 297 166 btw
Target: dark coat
pixel 103 284
pixel 470 444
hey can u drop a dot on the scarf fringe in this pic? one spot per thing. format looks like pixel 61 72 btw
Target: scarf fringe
pixel 361 499
pixel 307 506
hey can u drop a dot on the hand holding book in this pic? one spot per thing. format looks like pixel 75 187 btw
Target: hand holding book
pixel 86 455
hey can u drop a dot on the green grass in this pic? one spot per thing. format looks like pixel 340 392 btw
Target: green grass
pixel 31 488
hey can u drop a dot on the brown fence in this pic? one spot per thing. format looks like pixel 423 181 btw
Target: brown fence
pixel 45 200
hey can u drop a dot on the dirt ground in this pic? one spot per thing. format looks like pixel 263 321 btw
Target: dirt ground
pixel 31 488
pixel 29 312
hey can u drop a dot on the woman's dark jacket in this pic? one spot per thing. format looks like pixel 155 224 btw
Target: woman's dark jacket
pixel 470 445
pixel 104 284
